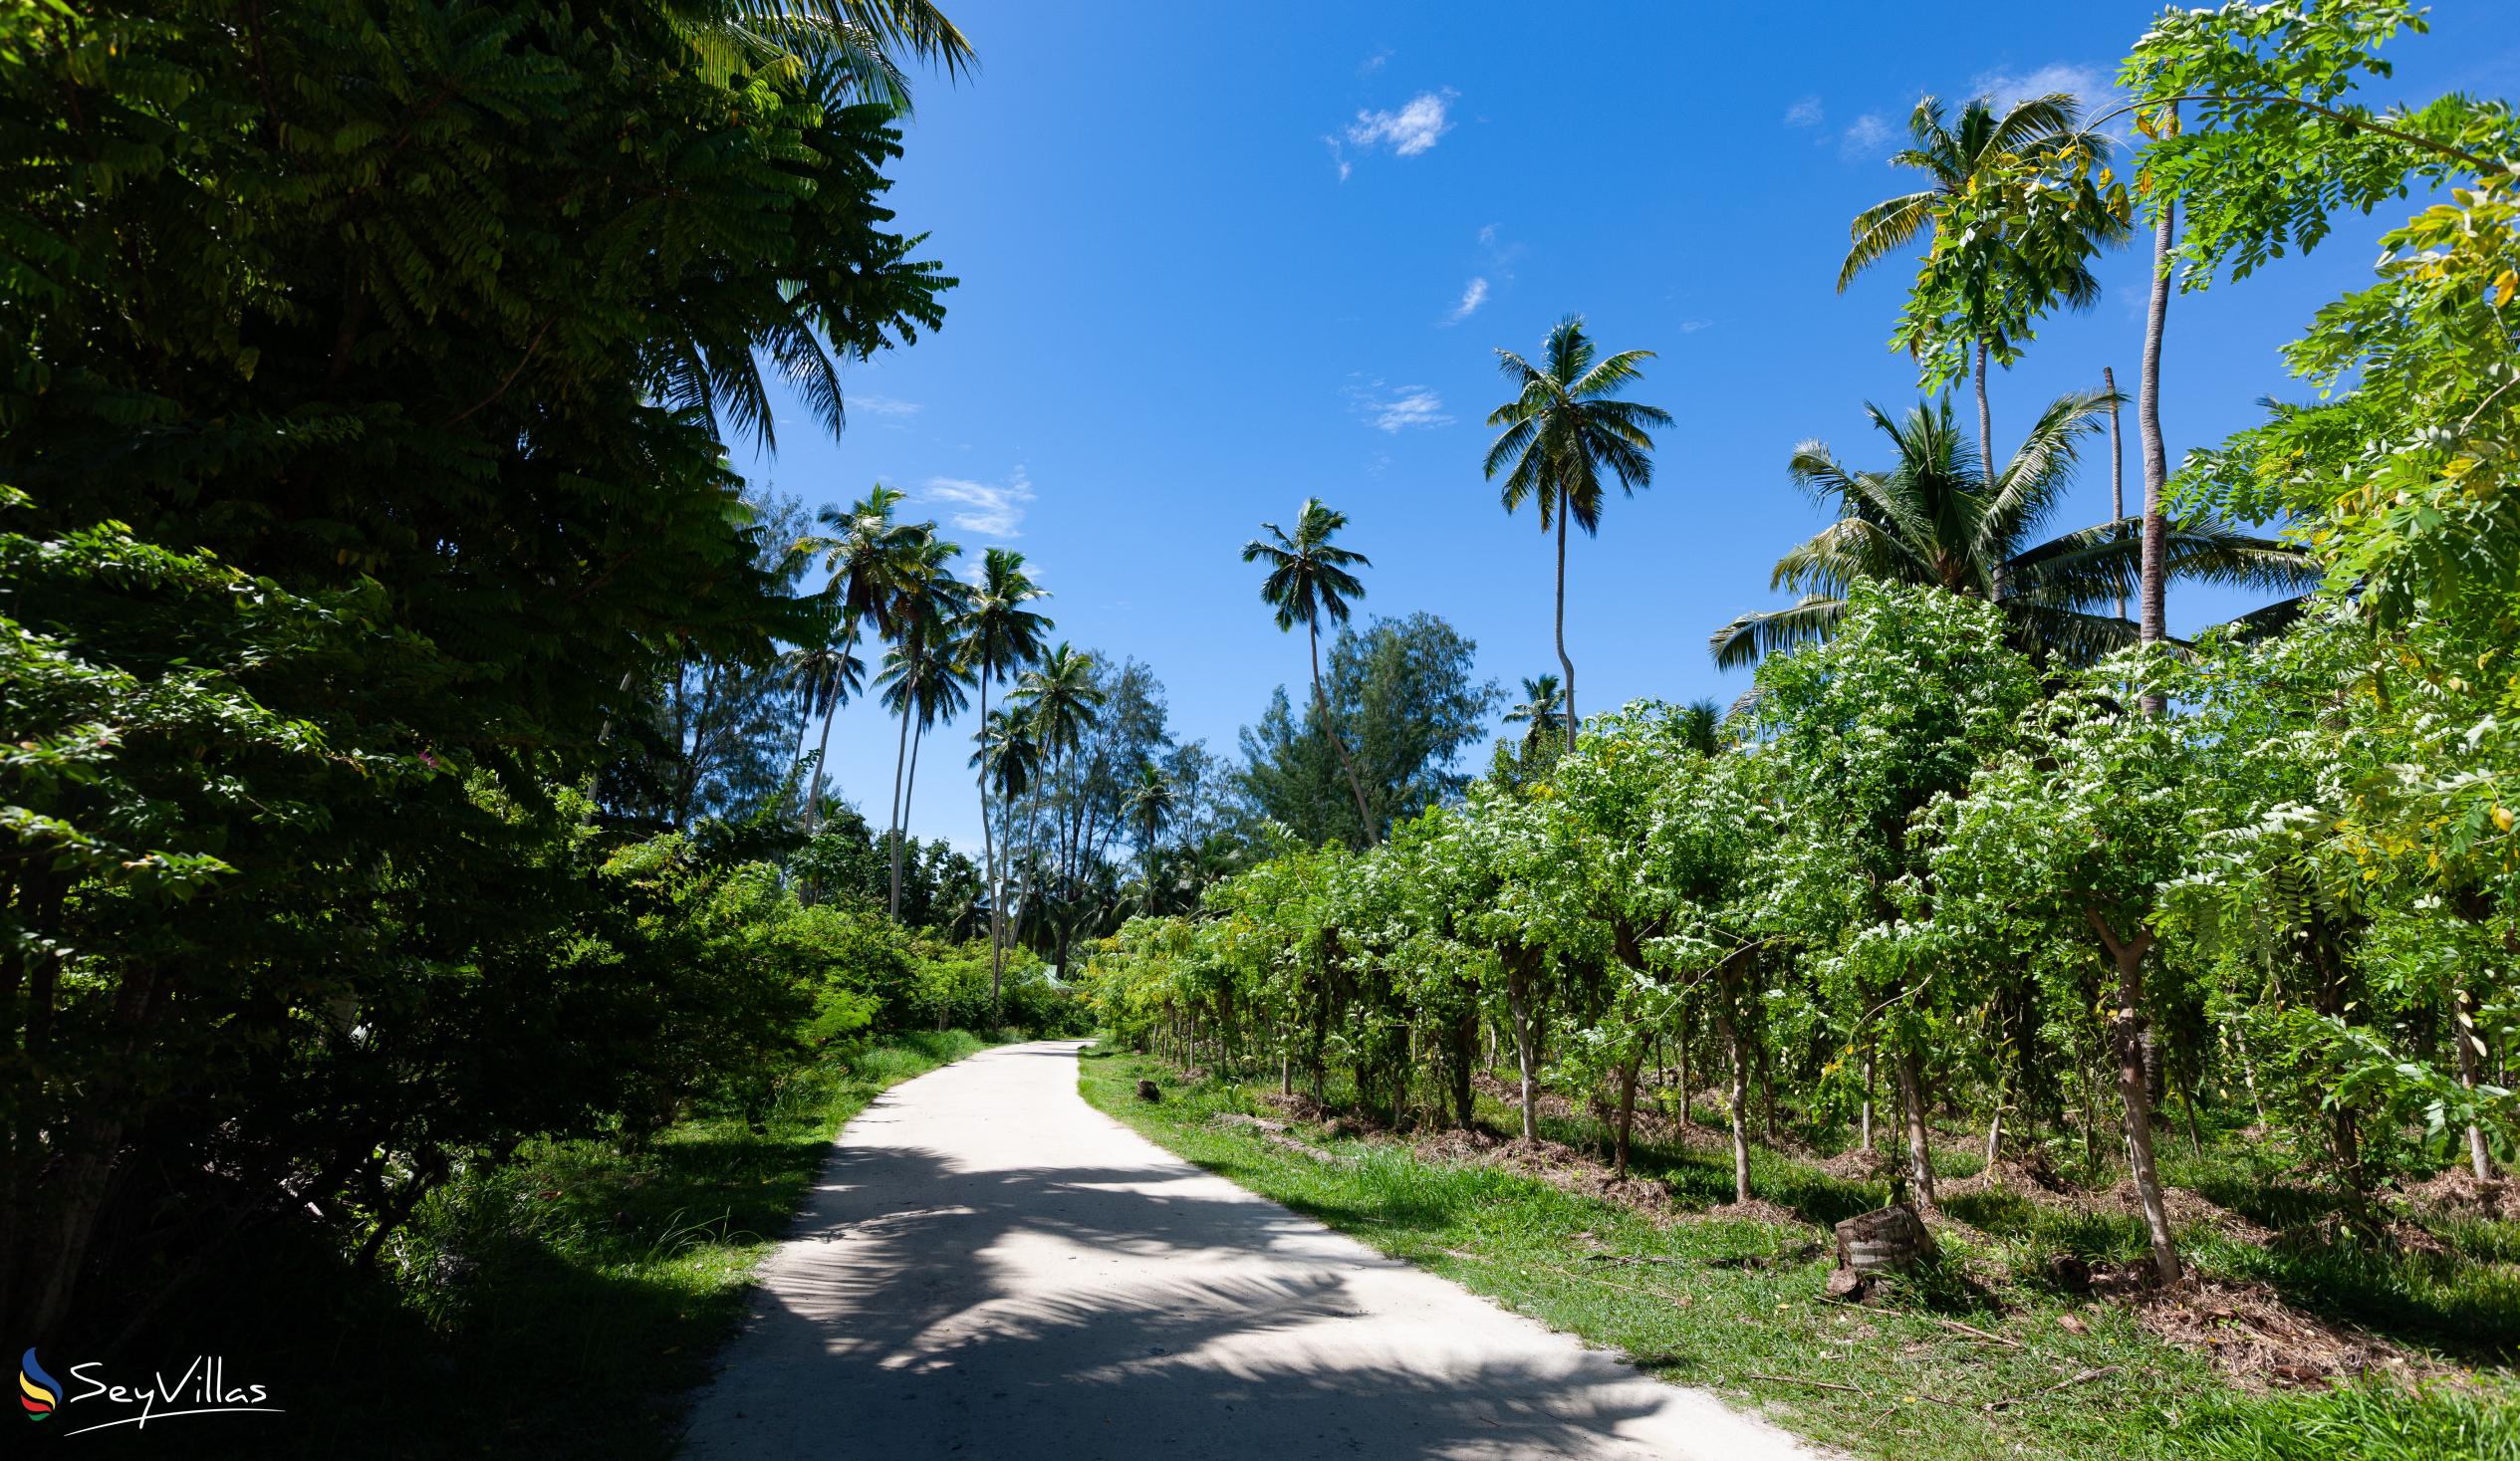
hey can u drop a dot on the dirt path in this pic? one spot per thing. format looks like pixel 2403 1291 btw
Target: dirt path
pixel 990 1267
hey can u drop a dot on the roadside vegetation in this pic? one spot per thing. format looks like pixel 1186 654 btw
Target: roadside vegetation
pixel 1984 1354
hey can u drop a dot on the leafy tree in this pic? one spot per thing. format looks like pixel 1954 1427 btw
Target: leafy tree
pixel 1309 581
pixel 1404 691
pixel 1564 427
pixel 445 357
pixel 1538 715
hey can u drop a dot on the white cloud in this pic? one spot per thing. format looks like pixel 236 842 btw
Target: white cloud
pixel 1374 62
pixel 1408 131
pixel 1866 135
pixel 1339 158
pixel 1473 295
pixel 2005 90
pixel 1401 410
pixel 1692 327
pixel 1805 113
pixel 990 509
pixel 1487 235
pixel 884 406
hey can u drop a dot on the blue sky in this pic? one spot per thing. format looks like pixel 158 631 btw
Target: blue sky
pixel 1216 260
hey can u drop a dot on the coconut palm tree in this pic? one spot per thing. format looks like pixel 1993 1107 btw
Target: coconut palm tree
pixel 926 689
pixel 921 678
pixel 1151 803
pixel 1308 582
pixel 1562 427
pixel 1538 714
pixel 828 674
pixel 1960 158
pixel 1062 702
pixel 1701 726
pixel 1009 759
pixel 1928 521
pixel 996 639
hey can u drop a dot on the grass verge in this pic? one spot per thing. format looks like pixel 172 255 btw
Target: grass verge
pixel 559 1306
pixel 1946 1370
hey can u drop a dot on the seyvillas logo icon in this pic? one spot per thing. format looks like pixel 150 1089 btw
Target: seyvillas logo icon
pixel 36 1392
pixel 202 1388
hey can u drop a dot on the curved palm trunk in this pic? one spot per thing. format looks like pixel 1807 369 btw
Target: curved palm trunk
pixel 2117 464
pixel 892 833
pixel 1565 665
pixel 1330 728
pixel 822 754
pixel 988 851
pixel 2150 627
pixel 901 838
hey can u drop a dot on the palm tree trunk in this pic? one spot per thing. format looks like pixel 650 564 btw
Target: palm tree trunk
pixel 2117 465
pixel 892 834
pixel 2156 458
pixel 1985 424
pixel 822 753
pixel 1320 703
pixel 901 840
pixel 988 851
pixel 1565 665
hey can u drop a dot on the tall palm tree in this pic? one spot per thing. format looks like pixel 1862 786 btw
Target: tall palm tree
pixel 1151 803
pixel 926 600
pixel 1928 521
pixel 1008 759
pixel 927 689
pixel 1308 582
pixel 1539 714
pixel 996 638
pixel 1562 427
pixel 1060 698
pixel 828 674
pixel 1960 158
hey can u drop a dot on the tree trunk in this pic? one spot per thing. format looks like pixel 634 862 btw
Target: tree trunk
pixel 2157 472
pixel 1911 1098
pixel 822 754
pixel 2116 467
pixel 2465 1045
pixel 901 838
pixel 1565 665
pixel 1465 1049
pixel 1627 1111
pixel 1338 743
pixel 892 834
pixel 1995 1128
pixel 988 856
pixel 2132 1091
pixel 1987 465
pixel 1526 1055
pixel 1687 1091
pixel 1739 1102
pixel 1867 1117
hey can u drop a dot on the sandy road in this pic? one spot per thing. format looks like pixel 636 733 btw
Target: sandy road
pixel 990 1267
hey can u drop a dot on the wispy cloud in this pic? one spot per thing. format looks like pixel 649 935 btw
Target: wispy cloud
pixel 1473 295
pixel 991 509
pixel 1806 113
pixel 1398 409
pixel 2006 89
pixel 1413 130
pixel 884 406
pixel 1374 62
pixel 1487 235
pixel 1864 136
pixel 1692 327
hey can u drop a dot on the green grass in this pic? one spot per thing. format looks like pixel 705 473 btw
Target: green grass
pixel 1736 1307
pixel 558 1307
